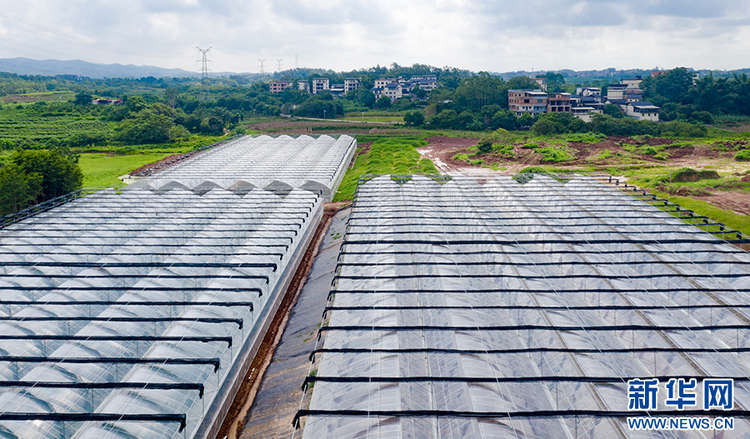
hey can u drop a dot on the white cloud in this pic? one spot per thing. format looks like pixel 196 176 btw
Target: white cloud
pixel 497 35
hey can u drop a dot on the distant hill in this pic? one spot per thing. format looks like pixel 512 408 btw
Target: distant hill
pixel 50 67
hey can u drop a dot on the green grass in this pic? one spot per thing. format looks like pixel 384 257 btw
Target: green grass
pixel 387 155
pixel 738 222
pixel 22 125
pixel 102 169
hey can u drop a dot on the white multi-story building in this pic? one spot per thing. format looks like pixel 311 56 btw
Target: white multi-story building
pixel 320 84
pixel 351 84
pixel 643 110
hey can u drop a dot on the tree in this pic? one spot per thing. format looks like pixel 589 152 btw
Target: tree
pixel 419 93
pixel 383 103
pixel 212 125
pixel 613 110
pixel 366 98
pixel 414 118
pixel 170 96
pixel 672 86
pixel 545 126
pixel 480 90
pixel 147 126
pixel 60 173
pixel 464 120
pixel 18 190
pixel 504 119
pixel 444 119
pixel 83 98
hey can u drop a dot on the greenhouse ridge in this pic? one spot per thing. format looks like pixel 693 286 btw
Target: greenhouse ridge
pixel 134 314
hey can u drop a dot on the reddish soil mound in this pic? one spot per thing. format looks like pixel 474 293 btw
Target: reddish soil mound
pixel 153 168
pixel 365 148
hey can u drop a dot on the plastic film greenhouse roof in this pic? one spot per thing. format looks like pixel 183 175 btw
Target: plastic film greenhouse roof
pixel 127 315
pixel 511 310
pixel 277 163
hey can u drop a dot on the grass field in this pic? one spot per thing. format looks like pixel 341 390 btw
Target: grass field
pixel 102 169
pixel 387 155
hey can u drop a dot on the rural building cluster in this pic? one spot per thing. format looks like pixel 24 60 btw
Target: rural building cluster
pixel 317 85
pixel 394 88
pixel 585 101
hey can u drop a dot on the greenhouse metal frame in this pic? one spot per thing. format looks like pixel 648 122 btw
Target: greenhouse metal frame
pixel 136 313
pixel 521 308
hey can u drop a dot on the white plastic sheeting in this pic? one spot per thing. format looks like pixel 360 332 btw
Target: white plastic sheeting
pixel 154 278
pixel 461 286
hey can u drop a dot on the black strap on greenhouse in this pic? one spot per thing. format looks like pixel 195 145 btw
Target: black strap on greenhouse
pixel 528 327
pixel 540 264
pixel 487 231
pixel 546 276
pixel 532 252
pixel 238 322
pixel 144 246
pixel 215 362
pixel 98 417
pixel 129 276
pixel 150 338
pixel 535 414
pixel 201 225
pixel 101 254
pixel 179 237
pixel 515 291
pixel 174 236
pixel 116 302
pixel 528 379
pixel 538 241
pixel 484 222
pixel 119 385
pixel 522 350
pixel 101 265
pixel 531 307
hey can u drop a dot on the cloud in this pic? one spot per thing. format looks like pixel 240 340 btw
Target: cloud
pixel 496 35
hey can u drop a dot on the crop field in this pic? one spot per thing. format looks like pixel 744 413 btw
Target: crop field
pixel 54 96
pixel 19 125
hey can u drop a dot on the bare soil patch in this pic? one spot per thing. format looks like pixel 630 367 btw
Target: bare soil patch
pixel 736 201
pixel 365 148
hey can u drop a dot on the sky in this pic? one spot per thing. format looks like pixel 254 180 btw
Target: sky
pixel 344 35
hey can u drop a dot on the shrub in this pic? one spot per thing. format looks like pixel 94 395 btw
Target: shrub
pixel 485 146
pixel 743 156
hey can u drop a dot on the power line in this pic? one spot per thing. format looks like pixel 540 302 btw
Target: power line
pixel 296 61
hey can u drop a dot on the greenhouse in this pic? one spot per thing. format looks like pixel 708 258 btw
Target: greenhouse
pixel 521 308
pixel 136 313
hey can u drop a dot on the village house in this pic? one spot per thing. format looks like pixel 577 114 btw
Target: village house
pixel 320 84
pixel 279 86
pixel 532 102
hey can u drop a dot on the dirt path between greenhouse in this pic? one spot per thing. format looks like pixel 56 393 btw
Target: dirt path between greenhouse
pixel 237 417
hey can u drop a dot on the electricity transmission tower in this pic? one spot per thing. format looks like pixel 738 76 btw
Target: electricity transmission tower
pixel 262 71
pixel 204 73
pixel 296 61
pixel 279 61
